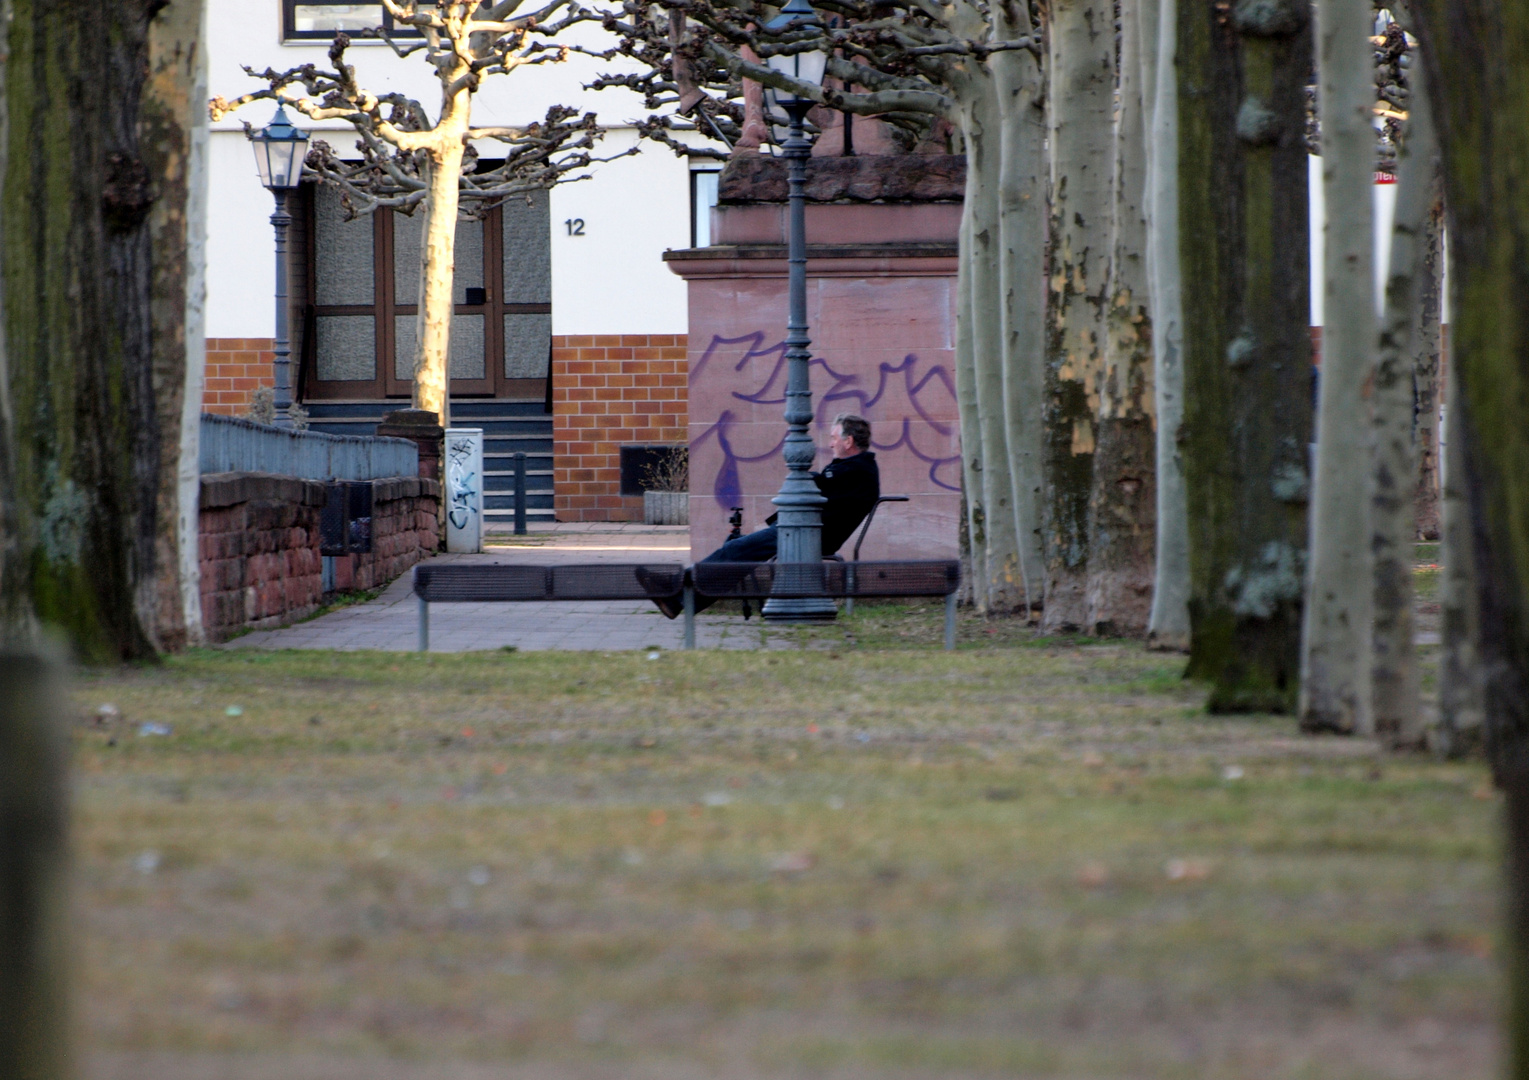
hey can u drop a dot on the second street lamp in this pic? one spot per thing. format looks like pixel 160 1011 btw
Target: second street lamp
pixel 279 152
pixel 799 527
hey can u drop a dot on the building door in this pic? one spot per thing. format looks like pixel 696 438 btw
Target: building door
pixel 362 286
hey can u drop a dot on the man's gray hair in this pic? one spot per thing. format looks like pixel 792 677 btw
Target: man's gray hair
pixel 856 427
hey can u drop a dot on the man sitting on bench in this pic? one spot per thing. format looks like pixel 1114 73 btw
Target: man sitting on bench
pixel 850 482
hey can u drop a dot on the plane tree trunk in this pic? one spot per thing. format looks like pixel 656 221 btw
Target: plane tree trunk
pixel 1020 85
pixel 1460 721
pixel 1335 633
pixel 1168 623
pixel 973 524
pixel 1247 374
pixel 16 619
pixel 173 129
pixel 78 258
pixel 1477 57
pixel 432 362
pixel 1430 293
pixel 993 519
pixel 1402 356
pixel 1080 103
pixel 1122 507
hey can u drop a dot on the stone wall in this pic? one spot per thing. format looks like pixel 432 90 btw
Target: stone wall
pixel 260 561
pixel 609 391
pixel 404 530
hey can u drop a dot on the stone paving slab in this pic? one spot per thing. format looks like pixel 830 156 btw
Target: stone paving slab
pixel 390 622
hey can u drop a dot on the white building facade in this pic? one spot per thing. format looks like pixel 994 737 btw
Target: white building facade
pixel 572 277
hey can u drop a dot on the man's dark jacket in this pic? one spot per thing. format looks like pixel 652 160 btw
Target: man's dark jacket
pixel 852 485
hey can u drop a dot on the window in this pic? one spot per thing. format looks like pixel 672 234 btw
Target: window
pixel 320 20
pixel 703 197
pixel 362 285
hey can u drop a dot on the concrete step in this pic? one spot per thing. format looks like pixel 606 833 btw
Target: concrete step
pixel 344 417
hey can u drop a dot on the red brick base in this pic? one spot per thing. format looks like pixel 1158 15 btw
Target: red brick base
pixel 608 391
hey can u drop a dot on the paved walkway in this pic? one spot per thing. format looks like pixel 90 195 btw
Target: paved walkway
pixel 390 622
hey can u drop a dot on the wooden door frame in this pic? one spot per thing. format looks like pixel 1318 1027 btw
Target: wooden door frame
pixel 384 309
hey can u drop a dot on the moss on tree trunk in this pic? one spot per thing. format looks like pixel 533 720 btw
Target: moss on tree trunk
pixel 1477 58
pixel 77 267
pixel 1248 410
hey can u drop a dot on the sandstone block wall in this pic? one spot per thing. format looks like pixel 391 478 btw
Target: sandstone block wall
pixel 404 531
pixel 260 561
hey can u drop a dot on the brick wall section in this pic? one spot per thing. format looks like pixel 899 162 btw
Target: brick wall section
pixel 609 391
pixel 235 367
pixel 260 561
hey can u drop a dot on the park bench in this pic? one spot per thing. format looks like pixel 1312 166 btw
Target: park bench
pixel 831 578
pixel 509 583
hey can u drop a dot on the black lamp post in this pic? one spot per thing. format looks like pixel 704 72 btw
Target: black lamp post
pixel 279 152
pixel 800 524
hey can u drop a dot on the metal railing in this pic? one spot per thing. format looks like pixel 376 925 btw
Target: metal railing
pixel 231 444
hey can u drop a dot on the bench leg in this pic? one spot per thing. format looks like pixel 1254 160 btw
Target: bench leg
pixel 689 617
pixel 950 621
pixel 424 625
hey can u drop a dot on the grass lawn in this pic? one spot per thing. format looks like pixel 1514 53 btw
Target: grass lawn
pixel 1020 859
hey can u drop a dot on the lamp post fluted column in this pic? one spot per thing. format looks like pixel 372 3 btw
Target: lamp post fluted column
pixel 799 528
pixel 280 150
pixel 282 347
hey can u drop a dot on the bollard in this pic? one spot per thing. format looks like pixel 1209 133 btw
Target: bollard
pixel 34 907
pixel 520 494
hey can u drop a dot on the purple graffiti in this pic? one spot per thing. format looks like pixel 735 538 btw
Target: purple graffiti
pixel 944 472
pixel 752 351
pixel 727 488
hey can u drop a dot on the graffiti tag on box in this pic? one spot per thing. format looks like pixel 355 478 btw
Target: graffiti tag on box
pixel 461 482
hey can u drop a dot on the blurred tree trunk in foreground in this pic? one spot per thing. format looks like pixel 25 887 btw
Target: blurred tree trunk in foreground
pixel 1477 57
pixel 34 861
pixel 101 218
pixel 77 262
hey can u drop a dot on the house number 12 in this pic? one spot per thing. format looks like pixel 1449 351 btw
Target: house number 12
pixel 575 226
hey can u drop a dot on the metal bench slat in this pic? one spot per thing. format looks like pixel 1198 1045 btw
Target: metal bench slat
pixel 924 577
pixel 507 583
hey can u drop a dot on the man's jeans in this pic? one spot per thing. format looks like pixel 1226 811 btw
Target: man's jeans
pixel 755 547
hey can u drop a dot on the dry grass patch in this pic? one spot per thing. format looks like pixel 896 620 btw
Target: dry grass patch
pixel 840 861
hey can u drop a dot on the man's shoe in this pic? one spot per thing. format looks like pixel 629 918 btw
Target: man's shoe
pixel 671 608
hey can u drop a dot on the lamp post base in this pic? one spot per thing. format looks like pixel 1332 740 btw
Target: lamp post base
pixel 805 609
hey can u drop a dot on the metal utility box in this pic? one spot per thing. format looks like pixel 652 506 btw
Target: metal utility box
pixel 345 526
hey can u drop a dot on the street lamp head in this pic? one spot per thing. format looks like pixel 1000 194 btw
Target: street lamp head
pixel 279 152
pixel 807 66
